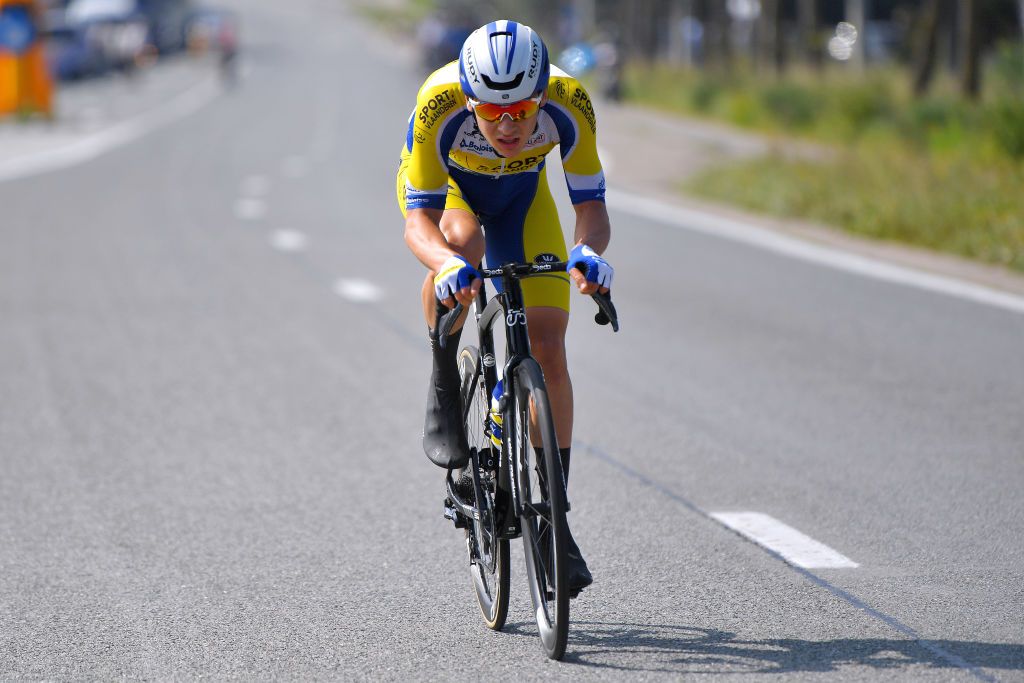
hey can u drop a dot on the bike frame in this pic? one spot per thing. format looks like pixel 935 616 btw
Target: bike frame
pixel 509 307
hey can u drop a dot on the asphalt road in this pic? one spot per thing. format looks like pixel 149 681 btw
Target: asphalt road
pixel 213 370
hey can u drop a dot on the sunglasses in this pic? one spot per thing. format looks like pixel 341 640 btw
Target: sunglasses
pixel 517 111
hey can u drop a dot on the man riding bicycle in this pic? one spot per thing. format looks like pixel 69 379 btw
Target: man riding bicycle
pixel 472 183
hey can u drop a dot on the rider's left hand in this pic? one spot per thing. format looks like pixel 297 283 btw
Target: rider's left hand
pixel 599 273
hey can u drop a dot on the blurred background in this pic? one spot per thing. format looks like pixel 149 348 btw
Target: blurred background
pixel 914 109
pixel 213 356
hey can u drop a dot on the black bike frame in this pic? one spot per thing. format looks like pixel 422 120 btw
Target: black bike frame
pixel 509 305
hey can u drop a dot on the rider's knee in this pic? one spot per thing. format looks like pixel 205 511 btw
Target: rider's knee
pixel 549 350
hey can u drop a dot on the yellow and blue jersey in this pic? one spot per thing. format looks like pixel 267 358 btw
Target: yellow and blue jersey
pixel 443 141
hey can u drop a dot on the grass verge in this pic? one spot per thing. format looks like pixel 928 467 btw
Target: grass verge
pixel 960 206
pixel 938 172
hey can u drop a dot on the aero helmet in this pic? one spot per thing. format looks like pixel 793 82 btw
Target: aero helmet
pixel 503 62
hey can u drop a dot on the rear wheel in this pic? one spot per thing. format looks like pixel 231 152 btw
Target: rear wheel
pixel 488 554
pixel 541 488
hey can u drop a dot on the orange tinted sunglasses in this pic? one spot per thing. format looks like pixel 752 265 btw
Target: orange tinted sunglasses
pixel 517 111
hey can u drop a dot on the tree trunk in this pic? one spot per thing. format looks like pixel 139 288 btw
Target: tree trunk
pixel 970 50
pixel 856 13
pixel 926 31
pixel 719 35
pixel 771 45
pixel 807 20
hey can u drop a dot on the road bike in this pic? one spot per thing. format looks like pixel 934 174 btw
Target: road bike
pixel 513 485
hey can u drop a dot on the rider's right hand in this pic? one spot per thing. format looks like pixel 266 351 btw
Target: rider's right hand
pixel 456 280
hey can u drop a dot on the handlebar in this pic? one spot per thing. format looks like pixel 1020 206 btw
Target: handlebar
pixel 446 318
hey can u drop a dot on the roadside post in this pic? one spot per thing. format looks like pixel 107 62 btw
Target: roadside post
pixel 25 84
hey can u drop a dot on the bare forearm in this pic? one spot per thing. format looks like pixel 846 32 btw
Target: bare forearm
pixel 593 227
pixel 425 239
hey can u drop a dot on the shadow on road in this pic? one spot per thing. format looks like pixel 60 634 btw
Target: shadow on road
pixel 681 649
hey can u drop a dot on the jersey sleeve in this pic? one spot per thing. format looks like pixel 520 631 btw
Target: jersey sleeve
pixel 428 139
pixel 573 112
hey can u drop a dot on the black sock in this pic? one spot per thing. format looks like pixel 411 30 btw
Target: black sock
pixel 563 456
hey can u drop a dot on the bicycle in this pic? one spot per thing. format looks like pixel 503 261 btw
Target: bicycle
pixel 496 497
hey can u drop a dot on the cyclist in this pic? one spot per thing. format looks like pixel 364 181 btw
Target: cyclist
pixel 472 183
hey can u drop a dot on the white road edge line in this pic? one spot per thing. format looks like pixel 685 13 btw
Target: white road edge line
pixel 96 144
pixel 791 545
pixel 739 231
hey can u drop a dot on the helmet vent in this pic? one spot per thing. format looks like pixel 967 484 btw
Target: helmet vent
pixel 503 85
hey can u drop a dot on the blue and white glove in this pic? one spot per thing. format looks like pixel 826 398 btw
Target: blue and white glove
pixel 593 267
pixel 453 275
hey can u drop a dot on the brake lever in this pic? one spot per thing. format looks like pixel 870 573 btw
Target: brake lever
pixel 606 313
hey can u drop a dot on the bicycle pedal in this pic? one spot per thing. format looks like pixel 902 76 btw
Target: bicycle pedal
pixel 450 513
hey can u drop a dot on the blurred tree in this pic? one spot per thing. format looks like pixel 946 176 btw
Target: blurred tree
pixel 719 35
pixel 856 13
pixel 772 46
pixel 809 40
pixel 925 39
pixel 970 48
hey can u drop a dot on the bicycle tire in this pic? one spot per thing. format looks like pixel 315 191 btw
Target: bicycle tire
pixel 542 499
pixel 488 554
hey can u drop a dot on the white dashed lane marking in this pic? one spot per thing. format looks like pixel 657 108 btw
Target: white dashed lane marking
pixel 255 186
pixel 249 209
pixel 289 240
pixel 792 546
pixel 358 291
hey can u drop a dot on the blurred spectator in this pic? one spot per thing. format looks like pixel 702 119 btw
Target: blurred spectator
pixel 216 30
pixel 440 36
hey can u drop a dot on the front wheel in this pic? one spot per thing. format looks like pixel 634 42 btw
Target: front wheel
pixel 488 554
pixel 541 488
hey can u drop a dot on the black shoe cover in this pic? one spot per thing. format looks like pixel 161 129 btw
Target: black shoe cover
pixel 579 576
pixel 577 573
pixel 444 437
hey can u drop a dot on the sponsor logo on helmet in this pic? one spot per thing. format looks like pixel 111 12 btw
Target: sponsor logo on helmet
pixel 534 60
pixel 471 66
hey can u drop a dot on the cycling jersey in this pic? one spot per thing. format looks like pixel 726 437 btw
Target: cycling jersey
pixel 447 163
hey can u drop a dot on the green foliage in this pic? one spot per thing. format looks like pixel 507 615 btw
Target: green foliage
pixel 704 95
pixel 1006 118
pixel 794 106
pixel 1007 69
pixel 843 108
pixel 861 106
pixel 962 206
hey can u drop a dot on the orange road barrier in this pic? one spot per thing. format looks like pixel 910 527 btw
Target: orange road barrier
pixel 25 83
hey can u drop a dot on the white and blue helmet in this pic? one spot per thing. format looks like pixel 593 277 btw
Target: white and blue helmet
pixel 504 61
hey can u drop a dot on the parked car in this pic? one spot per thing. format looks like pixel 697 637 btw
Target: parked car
pixel 116 29
pixel 72 50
